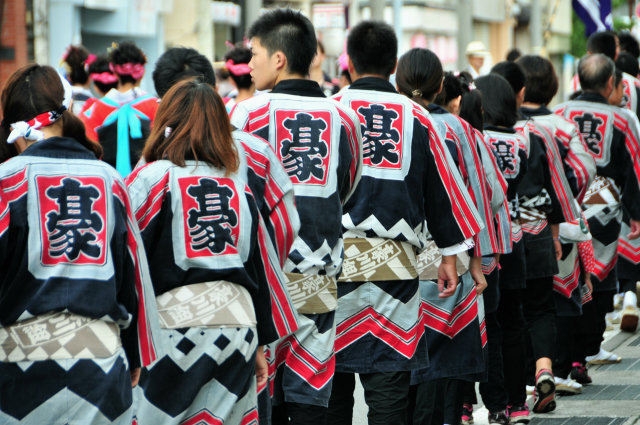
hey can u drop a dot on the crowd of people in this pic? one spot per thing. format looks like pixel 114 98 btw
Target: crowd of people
pixel 200 259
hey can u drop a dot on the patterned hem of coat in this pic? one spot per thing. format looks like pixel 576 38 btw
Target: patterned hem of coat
pixel 70 391
pixel 207 376
pixel 302 365
pixel 380 327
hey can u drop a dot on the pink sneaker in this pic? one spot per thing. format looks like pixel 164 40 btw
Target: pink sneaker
pixel 519 414
pixel 467 415
pixel 544 395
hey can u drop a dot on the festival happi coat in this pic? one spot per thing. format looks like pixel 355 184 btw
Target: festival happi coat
pixel 579 169
pixel 545 198
pixel 612 138
pixel 512 150
pixel 631 91
pixel 121 122
pixel 458 321
pixel 77 310
pixel 409 176
pixel 318 143
pixel 628 266
pixel 218 280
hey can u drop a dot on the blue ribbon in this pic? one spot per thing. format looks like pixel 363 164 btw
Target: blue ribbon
pixel 129 123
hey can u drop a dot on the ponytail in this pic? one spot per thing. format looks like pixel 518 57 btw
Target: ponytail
pixel 74 128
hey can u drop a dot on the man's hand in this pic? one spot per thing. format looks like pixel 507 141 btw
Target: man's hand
pixel 558 246
pixel 262 367
pixel 475 267
pixel 447 273
pixel 635 230
pixel 135 377
pixel 587 281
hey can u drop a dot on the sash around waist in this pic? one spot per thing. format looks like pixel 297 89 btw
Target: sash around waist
pixel 378 259
pixel 218 304
pixel 58 336
pixel 312 293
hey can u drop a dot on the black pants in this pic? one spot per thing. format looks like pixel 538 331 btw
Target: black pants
pixel 627 285
pixel 603 304
pixel 539 308
pixel 297 414
pixel 493 392
pixel 565 330
pixel 512 323
pixel 585 330
pixel 386 394
pixel 436 402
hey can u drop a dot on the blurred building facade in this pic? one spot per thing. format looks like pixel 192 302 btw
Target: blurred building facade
pixel 40 30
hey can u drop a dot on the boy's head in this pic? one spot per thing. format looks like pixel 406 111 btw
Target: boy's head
pixel 178 63
pixel 541 81
pixel 603 42
pixel 617 96
pixel 513 73
pixel 372 47
pixel 628 63
pixel 282 41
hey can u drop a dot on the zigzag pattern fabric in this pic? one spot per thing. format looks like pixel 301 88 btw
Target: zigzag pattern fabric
pixel 612 136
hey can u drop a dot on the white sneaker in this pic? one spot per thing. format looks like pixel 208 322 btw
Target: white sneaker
pixel 609 326
pixel 617 301
pixel 630 314
pixel 613 318
pixel 530 389
pixel 603 357
pixel 567 386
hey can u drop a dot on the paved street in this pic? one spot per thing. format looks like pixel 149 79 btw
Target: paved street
pixel 612 399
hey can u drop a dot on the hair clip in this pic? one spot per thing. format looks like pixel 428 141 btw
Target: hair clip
pixel 417 93
pixel 472 86
pixel 456 74
pixel 167 132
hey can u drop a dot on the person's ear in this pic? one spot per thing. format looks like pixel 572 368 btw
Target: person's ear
pixel 441 86
pixel 280 61
pixel 521 94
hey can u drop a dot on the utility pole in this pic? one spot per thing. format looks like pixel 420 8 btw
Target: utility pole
pixel 377 9
pixel 397 22
pixel 465 30
pixel 535 27
pixel 251 12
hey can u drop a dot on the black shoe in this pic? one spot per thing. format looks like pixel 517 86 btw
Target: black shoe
pixel 580 374
pixel 499 418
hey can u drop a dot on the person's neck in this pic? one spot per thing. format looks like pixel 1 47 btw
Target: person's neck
pixel 355 77
pixel 244 94
pixel 317 75
pixel 84 86
pixel 127 86
pixel 530 105
pixel 287 76
pixel 601 93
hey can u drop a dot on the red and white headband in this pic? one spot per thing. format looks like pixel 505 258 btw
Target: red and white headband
pixel 30 129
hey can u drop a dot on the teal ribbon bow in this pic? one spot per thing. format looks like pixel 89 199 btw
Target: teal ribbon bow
pixel 128 119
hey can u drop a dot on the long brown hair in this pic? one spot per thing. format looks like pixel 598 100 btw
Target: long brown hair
pixel 200 127
pixel 31 91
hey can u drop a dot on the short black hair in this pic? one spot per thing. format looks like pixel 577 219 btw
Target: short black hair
pixel 603 42
pixel 127 52
pixel 576 94
pixel 178 63
pixel 628 63
pixel 471 109
pixel 498 100
pixel 617 77
pixel 541 81
pixel 373 48
pixel 594 71
pixel 100 65
pixel 514 54
pixel 239 54
pixel 451 89
pixel 289 32
pixel 512 72
pixel 628 43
